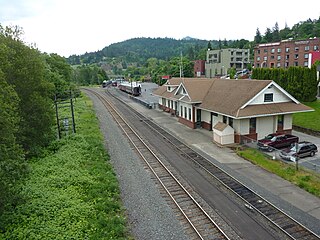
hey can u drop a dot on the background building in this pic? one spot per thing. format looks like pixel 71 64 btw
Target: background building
pixel 285 53
pixel 199 68
pixel 219 61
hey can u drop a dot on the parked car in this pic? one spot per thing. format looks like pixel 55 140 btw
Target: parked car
pixel 275 140
pixel 301 149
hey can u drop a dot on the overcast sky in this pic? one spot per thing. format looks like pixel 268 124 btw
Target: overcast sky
pixel 76 26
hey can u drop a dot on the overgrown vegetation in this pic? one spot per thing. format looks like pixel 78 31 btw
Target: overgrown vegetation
pixel 306 180
pixel 309 120
pixel 28 83
pixel 72 192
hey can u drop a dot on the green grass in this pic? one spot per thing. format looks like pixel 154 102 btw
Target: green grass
pixel 306 180
pixel 309 120
pixel 72 192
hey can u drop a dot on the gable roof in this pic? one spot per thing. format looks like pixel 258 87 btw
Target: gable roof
pixel 193 86
pixel 231 97
pixel 227 96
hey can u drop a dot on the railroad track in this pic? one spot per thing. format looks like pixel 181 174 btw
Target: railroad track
pixel 254 202
pixel 203 226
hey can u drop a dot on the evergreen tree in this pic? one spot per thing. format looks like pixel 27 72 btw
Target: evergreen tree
pixel 275 33
pixel 209 46
pixel 268 35
pixel 257 37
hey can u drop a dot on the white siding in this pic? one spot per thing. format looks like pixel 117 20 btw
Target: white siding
pixel 287 121
pixel 236 125
pixel 244 126
pixel 278 96
pixel 265 126
pixel 205 116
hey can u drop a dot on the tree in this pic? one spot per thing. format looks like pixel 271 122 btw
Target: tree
pixel 257 37
pixel 285 32
pixel 209 46
pixel 268 35
pixel 59 73
pixel 12 164
pixel 25 70
pixel 225 43
pixel 275 33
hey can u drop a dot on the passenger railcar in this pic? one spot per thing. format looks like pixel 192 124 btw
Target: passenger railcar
pixel 132 88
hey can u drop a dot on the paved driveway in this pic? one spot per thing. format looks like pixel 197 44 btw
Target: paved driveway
pixel 310 162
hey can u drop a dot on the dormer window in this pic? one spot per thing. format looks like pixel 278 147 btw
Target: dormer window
pixel 169 89
pixel 268 97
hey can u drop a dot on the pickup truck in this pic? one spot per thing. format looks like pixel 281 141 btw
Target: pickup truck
pixel 274 140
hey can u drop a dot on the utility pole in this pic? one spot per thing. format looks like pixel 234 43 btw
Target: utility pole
pixel 62 116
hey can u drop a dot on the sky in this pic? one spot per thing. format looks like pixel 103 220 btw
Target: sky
pixel 69 27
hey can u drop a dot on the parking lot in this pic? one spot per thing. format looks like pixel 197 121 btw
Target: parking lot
pixel 312 163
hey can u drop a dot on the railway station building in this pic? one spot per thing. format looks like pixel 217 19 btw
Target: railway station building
pixel 246 108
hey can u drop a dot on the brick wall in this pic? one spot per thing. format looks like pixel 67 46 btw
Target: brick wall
pixel 187 123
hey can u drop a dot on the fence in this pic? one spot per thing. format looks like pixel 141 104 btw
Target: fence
pixel 269 151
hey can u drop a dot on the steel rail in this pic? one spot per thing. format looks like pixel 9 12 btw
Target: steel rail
pixel 118 118
pixel 288 225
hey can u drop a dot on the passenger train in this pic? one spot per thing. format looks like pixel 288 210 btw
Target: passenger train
pixel 132 88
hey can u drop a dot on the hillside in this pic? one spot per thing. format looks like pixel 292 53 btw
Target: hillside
pixel 138 50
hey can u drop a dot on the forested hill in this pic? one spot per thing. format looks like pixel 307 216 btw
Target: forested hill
pixel 140 49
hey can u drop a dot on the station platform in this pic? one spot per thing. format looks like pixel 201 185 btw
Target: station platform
pixel 299 204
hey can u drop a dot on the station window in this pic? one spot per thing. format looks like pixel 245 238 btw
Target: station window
pixel 185 112
pixel 252 125
pixel 190 114
pixel 280 121
pixel 268 97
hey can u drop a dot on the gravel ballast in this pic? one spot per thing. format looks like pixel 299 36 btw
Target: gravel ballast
pixel 149 215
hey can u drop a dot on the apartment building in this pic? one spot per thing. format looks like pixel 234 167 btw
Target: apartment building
pixel 285 53
pixel 218 62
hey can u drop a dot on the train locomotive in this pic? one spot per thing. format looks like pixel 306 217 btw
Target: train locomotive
pixel 132 88
pixel 106 83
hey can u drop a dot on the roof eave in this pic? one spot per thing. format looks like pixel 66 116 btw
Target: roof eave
pixel 272 114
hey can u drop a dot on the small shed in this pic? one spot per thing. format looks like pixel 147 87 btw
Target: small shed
pixel 223 134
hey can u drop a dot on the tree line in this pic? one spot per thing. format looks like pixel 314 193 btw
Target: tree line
pixel 302 30
pixel 29 81
pixel 300 82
